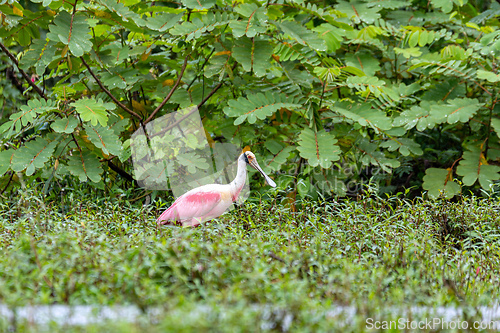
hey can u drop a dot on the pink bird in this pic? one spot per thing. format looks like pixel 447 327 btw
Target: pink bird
pixel 210 201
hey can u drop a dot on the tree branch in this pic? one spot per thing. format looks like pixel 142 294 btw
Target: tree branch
pixel 120 104
pixel 165 100
pixel 23 73
pixel 210 94
pixel 120 171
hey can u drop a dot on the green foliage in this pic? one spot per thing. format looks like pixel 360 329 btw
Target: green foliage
pixel 85 166
pixel 33 155
pixel 319 148
pixel 439 184
pixel 474 167
pixel 91 250
pixel 395 82
pixel 71 30
pixel 92 110
pixel 258 106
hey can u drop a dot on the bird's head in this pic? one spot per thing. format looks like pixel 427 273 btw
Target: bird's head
pixel 250 159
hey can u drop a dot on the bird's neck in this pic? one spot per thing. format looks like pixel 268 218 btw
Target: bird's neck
pixel 238 182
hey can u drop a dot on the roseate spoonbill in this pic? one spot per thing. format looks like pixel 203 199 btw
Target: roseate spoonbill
pixel 210 201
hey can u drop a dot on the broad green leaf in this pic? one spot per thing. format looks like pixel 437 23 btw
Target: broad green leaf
pixel 371 156
pixel 302 35
pixel 33 155
pixel 367 84
pixel 489 76
pixel 5 159
pixel 363 61
pixel 218 62
pixel 409 52
pixel 104 138
pixel 495 123
pixel 445 5
pixel 258 106
pixel 364 115
pixel 389 4
pixel 318 148
pixel 163 21
pixel 29 113
pixel 198 4
pixel 254 22
pixel 457 110
pixel 473 166
pixel 117 53
pixel 93 110
pixel 65 125
pixel 359 11
pixel 253 54
pixel 119 77
pixel 280 158
pixel 72 31
pixel 332 36
pixel 404 145
pixel 40 54
pixel 442 91
pixel 39 106
pixel 85 166
pixel 439 182
pixel 198 26
pixel 274 146
pixel 120 9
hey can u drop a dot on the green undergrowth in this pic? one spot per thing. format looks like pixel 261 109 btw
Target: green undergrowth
pixel 370 254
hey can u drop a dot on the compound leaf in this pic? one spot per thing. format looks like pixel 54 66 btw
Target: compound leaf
pixel 85 165
pixel 253 54
pixel 439 182
pixel 104 138
pixel 318 148
pixel 71 31
pixel 33 155
pixel 474 166
pixel 257 106
pixel 93 110
pixel 65 125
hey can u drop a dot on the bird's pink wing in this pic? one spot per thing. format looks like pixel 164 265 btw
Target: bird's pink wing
pixel 191 205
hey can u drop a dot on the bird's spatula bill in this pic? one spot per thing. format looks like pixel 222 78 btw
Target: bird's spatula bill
pixel 257 167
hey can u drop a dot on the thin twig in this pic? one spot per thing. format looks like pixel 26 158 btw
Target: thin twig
pixel 200 70
pixel 120 104
pixel 120 171
pixel 8 183
pixel 210 94
pixel 275 257
pixel 23 73
pixel 165 100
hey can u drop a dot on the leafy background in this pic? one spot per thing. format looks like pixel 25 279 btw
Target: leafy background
pixel 326 93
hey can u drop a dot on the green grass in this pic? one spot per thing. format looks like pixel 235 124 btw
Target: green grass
pixel 253 266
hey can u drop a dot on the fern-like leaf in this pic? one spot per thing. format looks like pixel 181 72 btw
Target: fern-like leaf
pixel 318 148
pixel 253 54
pixel 258 106
pixel 71 30
pixel 439 182
pixel 33 155
pixel 474 167
pixel 302 35
pixel 206 23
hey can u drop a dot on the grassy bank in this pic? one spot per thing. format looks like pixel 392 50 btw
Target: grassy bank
pixel 261 263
